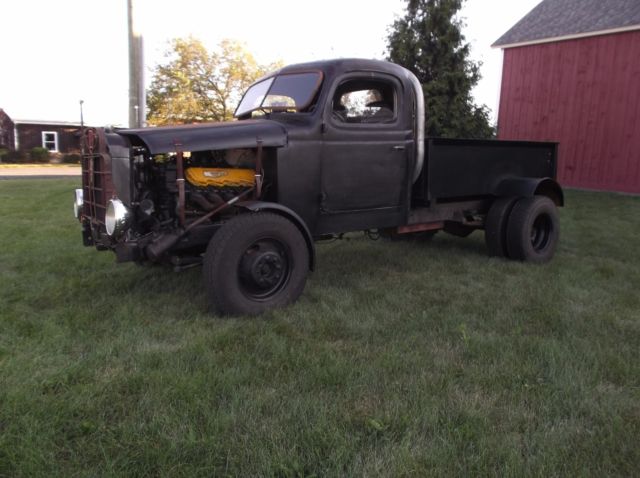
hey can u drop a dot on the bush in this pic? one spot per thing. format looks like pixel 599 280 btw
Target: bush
pixel 3 153
pixel 72 158
pixel 15 157
pixel 39 155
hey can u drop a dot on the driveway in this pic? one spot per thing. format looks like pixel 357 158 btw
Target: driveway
pixel 38 171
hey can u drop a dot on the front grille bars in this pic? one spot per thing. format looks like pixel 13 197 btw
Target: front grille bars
pixel 97 183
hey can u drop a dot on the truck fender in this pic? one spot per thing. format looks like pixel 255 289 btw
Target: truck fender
pixel 529 187
pixel 256 206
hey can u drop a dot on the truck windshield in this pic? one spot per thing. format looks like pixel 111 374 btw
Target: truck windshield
pixel 291 92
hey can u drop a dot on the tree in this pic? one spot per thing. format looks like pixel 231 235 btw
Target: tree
pixel 194 85
pixel 429 42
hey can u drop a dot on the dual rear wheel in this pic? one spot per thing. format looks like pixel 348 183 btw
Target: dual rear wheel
pixel 525 229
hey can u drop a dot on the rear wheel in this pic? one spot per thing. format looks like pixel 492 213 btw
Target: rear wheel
pixel 533 230
pixel 255 262
pixel 495 228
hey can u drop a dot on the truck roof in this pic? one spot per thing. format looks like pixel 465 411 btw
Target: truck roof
pixel 344 65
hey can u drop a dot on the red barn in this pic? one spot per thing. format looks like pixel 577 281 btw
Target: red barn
pixel 571 74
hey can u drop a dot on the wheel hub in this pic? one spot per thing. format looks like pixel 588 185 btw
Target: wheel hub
pixel 263 270
pixel 540 231
pixel 266 269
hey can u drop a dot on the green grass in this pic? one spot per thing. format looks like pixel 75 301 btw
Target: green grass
pixel 400 359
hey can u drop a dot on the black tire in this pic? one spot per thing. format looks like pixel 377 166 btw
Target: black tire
pixel 255 262
pixel 533 230
pixel 495 227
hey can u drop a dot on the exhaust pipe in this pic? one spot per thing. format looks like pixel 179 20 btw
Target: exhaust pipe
pixel 165 242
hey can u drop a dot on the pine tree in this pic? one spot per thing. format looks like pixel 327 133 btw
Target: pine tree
pixel 429 42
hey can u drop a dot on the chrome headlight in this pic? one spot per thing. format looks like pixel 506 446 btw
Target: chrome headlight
pixel 117 217
pixel 77 203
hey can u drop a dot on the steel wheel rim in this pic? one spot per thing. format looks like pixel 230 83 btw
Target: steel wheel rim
pixel 264 269
pixel 541 232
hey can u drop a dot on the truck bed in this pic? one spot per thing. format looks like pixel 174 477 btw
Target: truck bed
pixel 457 169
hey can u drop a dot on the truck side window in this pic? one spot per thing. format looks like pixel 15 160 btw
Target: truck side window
pixel 364 101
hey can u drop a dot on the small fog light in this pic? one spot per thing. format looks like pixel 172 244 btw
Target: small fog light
pixel 117 218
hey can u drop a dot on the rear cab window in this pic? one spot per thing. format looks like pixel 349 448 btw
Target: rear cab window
pixel 364 101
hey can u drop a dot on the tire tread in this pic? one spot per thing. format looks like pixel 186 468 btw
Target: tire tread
pixel 495 233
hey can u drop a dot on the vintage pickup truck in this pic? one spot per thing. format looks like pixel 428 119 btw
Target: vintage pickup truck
pixel 316 150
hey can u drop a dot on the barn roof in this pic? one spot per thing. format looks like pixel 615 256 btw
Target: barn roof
pixel 554 20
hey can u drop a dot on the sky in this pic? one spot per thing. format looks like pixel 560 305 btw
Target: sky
pixel 56 53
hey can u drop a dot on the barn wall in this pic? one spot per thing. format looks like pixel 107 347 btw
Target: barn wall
pixel 584 94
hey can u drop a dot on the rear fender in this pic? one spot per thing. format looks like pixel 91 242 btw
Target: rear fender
pixel 529 187
pixel 257 206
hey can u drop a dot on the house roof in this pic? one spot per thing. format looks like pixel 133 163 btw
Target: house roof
pixel 47 123
pixel 554 20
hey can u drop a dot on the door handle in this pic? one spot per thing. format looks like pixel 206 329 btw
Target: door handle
pixel 399 148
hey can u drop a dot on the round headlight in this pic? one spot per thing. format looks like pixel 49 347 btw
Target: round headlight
pixel 77 203
pixel 117 217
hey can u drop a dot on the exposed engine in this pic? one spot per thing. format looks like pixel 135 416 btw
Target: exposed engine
pixel 211 178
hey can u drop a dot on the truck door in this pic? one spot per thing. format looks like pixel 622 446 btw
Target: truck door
pixel 367 143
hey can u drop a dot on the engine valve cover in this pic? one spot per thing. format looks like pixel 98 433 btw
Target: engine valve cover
pixel 220 177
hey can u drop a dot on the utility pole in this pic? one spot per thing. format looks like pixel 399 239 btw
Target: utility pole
pixel 137 94
pixel 81 128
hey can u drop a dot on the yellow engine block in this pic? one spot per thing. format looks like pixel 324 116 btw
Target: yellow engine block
pixel 220 177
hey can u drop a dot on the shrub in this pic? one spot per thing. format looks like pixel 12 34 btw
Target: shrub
pixel 72 158
pixel 39 155
pixel 14 157
pixel 3 153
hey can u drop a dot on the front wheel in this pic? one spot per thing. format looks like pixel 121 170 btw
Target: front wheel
pixel 533 230
pixel 255 262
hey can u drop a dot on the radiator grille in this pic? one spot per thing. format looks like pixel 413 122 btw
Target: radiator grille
pixel 97 184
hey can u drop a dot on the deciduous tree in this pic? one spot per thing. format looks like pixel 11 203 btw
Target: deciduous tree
pixel 195 85
pixel 428 40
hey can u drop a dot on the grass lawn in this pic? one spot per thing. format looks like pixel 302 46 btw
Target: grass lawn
pixel 400 359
